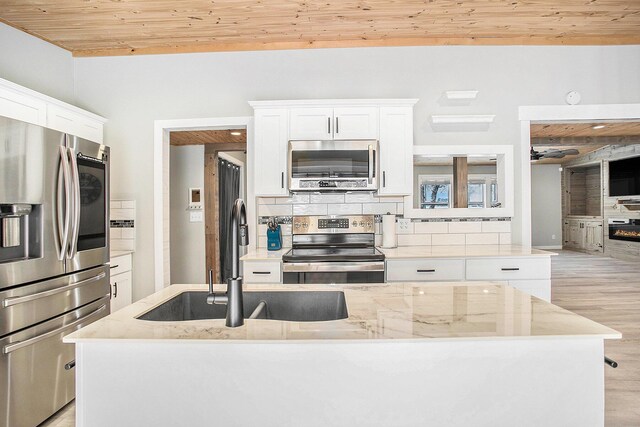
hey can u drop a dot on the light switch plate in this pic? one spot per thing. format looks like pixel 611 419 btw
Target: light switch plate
pixel 196 216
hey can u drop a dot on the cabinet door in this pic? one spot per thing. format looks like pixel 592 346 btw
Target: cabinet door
pixel 311 123
pixel 396 150
pixel 70 122
pixel 271 138
pixel 18 106
pixel 593 236
pixel 355 123
pixel 120 291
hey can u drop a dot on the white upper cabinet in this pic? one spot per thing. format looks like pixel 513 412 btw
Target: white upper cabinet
pixel 325 123
pixel 396 150
pixel 311 123
pixel 270 152
pixel 20 103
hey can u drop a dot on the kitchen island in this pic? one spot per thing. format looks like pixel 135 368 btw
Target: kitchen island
pixel 407 354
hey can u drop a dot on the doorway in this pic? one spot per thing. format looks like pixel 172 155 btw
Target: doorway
pixel 207 171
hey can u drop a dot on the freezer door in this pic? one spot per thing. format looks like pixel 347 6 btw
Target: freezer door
pixel 89 241
pixel 27 305
pixel 37 368
pixel 30 165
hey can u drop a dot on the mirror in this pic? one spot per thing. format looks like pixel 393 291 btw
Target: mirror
pixel 461 181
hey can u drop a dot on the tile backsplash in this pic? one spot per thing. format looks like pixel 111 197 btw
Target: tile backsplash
pixel 122 225
pixel 437 232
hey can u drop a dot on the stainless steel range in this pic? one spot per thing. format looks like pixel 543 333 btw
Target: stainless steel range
pixel 333 249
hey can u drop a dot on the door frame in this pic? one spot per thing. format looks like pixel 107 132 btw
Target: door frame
pixel 551 114
pixel 161 219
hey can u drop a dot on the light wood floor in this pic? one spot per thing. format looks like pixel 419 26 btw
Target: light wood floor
pixel 603 289
pixel 607 291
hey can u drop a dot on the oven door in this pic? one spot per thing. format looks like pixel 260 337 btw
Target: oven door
pixel 90 231
pixel 332 161
pixel 333 272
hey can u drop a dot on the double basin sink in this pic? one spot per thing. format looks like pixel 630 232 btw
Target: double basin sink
pixel 294 306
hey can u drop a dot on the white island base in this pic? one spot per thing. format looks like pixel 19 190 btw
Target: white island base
pixel 506 362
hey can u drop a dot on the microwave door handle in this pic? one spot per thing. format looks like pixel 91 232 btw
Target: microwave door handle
pixel 75 190
pixel 370 166
pixel 63 201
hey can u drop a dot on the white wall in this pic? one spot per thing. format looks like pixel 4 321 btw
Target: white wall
pixel 546 205
pixel 36 64
pixel 134 91
pixel 188 250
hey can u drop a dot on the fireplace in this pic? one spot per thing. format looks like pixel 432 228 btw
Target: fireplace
pixel 624 229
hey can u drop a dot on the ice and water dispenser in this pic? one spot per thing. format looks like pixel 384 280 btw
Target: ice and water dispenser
pixel 19 232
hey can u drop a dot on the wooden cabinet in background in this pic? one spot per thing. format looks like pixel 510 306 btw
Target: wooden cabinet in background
pixel 583 234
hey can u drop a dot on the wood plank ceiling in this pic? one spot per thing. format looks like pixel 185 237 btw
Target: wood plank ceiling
pixel 115 27
pixel 582 137
pixel 202 137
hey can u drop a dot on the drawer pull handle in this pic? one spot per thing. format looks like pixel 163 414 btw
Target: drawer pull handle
pixel 69 366
pixel 511 269
pixel 261 272
pixel 426 271
pixel 114 266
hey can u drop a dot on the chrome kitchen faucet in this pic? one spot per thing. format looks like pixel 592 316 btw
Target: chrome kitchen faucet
pixel 233 297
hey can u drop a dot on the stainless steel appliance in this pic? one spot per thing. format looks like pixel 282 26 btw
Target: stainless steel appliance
pixel 333 165
pixel 54 198
pixel 333 249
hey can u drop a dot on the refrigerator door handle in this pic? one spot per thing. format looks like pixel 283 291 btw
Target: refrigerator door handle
pixel 8 302
pixel 75 201
pixel 63 208
pixel 20 344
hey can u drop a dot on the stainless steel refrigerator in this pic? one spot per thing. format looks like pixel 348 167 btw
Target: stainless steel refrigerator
pixel 54 246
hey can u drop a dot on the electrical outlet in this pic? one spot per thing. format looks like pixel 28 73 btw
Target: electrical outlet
pixel 403 225
pixel 553 237
pixel 196 216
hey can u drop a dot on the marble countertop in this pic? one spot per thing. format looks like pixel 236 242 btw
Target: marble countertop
pixel 462 251
pixel 262 254
pixel 398 311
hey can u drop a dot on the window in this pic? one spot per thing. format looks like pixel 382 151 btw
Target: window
pixel 476 194
pixel 435 192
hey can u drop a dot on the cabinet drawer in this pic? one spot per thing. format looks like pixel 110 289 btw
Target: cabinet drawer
pixel 508 268
pixel 261 271
pixel 537 288
pixel 120 264
pixel 424 270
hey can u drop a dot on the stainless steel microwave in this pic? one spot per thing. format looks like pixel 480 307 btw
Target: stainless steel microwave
pixel 333 165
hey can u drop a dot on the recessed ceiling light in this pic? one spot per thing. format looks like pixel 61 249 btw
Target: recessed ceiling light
pixel 236 133
pixel 596 127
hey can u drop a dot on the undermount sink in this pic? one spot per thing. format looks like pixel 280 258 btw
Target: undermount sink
pixel 295 306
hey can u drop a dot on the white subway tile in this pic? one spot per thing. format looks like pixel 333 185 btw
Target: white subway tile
pixel 496 226
pixel 274 210
pixel 391 199
pixel 128 204
pixel 262 241
pixel 400 208
pixel 285 229
pixel 344 209
pixel 414 240
pixel 483 239
pixel 505 238
pixel 465 227
pixel 266 200
pixel 360 198
pixel 447 239
pixel 378 239
pixel 128 233
pixel 326 198
pixel 115 204
pixel 286 241
pixel 377 228
pixel 262 229
pixel 431 227
pixel 294 198
pixel 115 233
pixel 309 209
pixel 123 245
pixel 122 214
pixel 378 208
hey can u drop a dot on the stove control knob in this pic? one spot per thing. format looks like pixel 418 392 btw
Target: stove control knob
pixel 297 225
pixel 354 223
pixel 305 225
pixel 361 223
pixel 369 224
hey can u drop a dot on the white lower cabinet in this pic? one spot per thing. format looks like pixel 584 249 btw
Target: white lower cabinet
pixel 528 274
pixel 424 270
pixel 121 281
pixel 261 272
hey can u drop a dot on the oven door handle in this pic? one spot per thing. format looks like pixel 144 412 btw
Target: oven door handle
pixel 21 344
pixel 303 267
pixel 8 302
pixel 371 166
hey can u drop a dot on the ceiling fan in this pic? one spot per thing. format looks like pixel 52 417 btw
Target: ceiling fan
pixel 552 154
